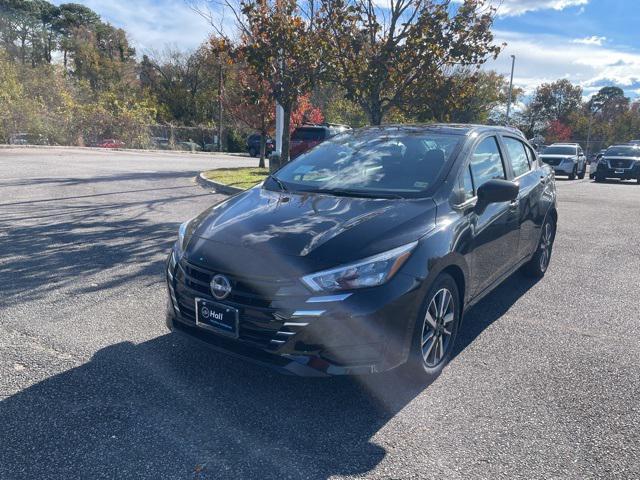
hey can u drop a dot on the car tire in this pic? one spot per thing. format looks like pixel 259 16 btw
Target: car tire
pixel 573 173
pixel 599 178
pixel 539 263
pixel 583 172
pixel 435 330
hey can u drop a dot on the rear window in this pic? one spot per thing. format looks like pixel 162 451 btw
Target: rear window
pixel 623 151
pixel 309 134
pixel 567 150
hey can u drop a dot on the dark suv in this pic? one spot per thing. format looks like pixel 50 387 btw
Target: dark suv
pixel 364 253
pixel 308 136
pixel 253 145
pixel 620 161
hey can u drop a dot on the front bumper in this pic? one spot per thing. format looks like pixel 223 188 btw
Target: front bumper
pixel 564 169
pixel 368 331
pixel 632 173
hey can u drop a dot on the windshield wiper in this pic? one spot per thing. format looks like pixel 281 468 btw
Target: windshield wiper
pixel 280 183
pixel 357 193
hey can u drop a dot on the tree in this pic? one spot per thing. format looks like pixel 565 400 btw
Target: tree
pixel 185 83
pixel 558 132
pixel 73 16
pixel 249 102
pixel 281 46
pixel 556 101
pixel 467 96
pixel 305 112
pixel 398 58
pixel 336 108
pixel 609 103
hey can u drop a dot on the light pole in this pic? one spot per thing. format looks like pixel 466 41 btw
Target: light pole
pixel 513 65
pixel 280 116
pixel 589 132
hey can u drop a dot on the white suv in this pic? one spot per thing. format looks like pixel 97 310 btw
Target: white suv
pixel 566 159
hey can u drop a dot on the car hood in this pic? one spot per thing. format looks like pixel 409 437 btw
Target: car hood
pixel 321 230
pixel 558 156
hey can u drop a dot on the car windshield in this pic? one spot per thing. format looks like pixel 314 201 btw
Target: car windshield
pixel 372 163
pixel 566 150
pixel 623 151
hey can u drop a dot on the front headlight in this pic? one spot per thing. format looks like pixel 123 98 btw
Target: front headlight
pixel 369 272
pixel 184 234
pixel 181 234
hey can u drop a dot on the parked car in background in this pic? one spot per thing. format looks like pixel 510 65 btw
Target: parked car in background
pixel 621 162
pixel 253 145
pixel 635 142
pixel 381 238
pixel 28 139
pixel 566 159
pixel 189 146
pixel 160 143
pixel 308 136
pixel 111 143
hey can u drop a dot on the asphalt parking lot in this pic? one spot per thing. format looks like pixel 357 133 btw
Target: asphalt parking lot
pixel 545 382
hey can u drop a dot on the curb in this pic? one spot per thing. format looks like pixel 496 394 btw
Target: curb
pixel 218 187
pixel 131 150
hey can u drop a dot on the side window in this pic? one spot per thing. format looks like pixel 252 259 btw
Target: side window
pixel 466 185
pixel 517 156
pixel 486 162
pixel 531 155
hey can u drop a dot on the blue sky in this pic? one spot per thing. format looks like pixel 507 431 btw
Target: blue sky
pixel 590 42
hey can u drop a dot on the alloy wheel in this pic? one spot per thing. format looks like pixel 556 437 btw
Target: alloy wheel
pixel 546 244
pixel 437 329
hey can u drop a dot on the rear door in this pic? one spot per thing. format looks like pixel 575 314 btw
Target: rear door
pixel 530 178
pixel 494 232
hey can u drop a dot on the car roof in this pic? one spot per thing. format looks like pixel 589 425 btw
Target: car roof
pixel 564 145
pixel 451 128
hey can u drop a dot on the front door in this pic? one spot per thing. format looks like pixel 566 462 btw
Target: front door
pixel 496 231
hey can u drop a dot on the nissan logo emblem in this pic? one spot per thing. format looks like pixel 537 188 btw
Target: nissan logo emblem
pixel 220 287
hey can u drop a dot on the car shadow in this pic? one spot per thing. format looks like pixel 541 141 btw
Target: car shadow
pixel 57 241
pixel 611 181
pixel 170 408
pixel 492 308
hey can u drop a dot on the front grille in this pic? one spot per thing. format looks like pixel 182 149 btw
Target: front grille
pixel 620 163
pixel 554 162
pixel 254 298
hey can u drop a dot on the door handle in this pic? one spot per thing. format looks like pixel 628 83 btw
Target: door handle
pixel 514 205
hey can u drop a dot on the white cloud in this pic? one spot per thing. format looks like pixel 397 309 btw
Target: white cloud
pixel 153 24
pixel 546 58
pixel 594 40
pixel 518 7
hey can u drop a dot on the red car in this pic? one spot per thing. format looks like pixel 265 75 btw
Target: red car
pixel 308 136
pixel 111 143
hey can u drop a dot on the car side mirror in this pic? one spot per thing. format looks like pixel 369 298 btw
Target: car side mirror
pixel 496 191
